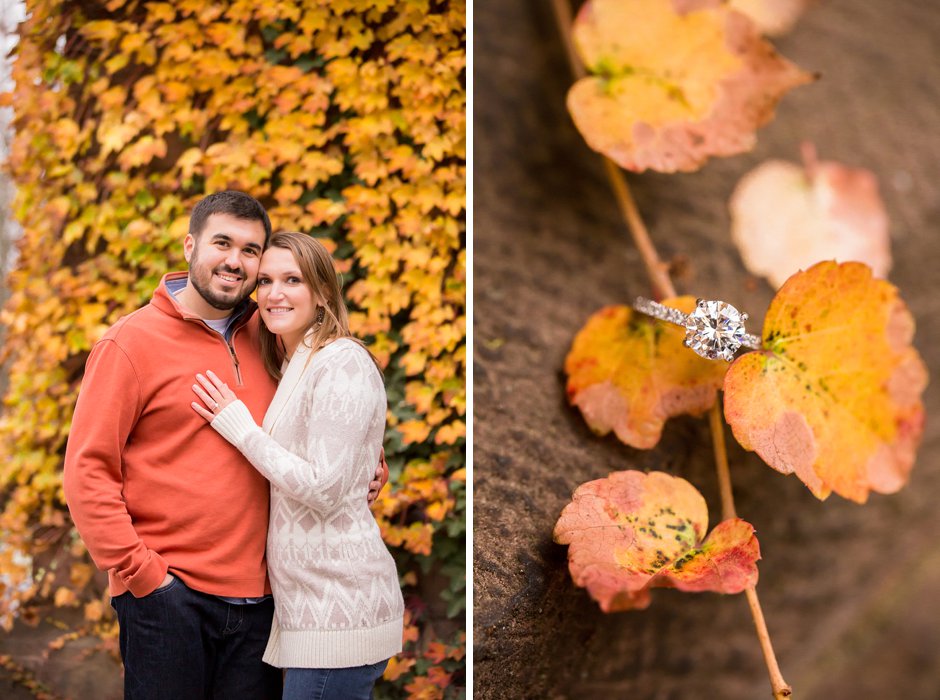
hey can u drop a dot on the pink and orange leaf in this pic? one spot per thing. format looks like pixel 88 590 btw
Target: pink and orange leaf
pixel 633 531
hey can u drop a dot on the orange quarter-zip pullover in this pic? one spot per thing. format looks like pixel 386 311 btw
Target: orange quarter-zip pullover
pixel 150 485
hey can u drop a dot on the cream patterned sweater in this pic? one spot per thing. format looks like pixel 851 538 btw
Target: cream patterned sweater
pixel 337 598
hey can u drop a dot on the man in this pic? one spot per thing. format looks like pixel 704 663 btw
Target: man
pixel 176 515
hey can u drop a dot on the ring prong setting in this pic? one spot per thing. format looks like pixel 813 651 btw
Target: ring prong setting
pixel 714 329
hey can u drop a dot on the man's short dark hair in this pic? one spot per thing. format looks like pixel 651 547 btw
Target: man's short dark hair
pixel 233 203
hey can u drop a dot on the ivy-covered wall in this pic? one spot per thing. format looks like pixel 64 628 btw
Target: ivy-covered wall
pixel 346 118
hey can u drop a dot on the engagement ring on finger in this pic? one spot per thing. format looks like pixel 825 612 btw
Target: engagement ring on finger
pixel 714 330
pixel 215 405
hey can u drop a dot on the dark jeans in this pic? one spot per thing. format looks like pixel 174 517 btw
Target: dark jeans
pixel 354 683
pixel 180 644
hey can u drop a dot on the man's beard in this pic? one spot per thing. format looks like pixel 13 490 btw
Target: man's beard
pixel 202 284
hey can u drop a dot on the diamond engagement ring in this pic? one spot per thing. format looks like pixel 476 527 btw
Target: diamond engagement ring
pixel 713 330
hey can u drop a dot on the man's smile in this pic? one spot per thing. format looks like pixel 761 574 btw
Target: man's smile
pixel 228 277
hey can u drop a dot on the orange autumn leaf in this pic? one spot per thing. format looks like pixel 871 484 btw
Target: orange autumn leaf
pixel 423 688
pixel 397 666
pixel 836 395
pixel 630 373
pixel 439 677
pixel 673 82
pixel 410 632
pixel 820 211
pixel 65 597
pixel 632 532
pixel 450 433
pixel 438 652
pixel 413 431
pixel 80 574
pixel 94 610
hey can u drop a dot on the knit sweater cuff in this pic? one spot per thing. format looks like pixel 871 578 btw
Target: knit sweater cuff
pixel 234 422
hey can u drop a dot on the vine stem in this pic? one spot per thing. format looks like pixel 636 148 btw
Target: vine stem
pixel 721 462
pixel 662 287
pixel 780 687
pixel 658 272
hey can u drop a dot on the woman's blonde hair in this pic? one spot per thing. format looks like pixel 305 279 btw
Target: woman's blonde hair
pixel 319 274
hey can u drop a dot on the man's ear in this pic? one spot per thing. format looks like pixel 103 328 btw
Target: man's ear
pixel 189 243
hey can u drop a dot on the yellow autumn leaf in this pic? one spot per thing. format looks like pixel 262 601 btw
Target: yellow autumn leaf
pixel 113 137
pixel 142 151
pixel 101 30
pixel 414 431
pixel 836 395
pixel 630 373
pixel 694 83
pixel 162 12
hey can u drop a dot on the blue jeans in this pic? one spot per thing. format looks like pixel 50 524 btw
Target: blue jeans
pixel 354 683
pixel 181 644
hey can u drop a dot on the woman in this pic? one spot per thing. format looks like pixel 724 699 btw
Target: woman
pixel 338 604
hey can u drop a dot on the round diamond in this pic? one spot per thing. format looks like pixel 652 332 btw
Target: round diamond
pixel 715 330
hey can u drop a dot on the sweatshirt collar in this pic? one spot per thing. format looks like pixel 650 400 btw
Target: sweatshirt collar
pixel 164 301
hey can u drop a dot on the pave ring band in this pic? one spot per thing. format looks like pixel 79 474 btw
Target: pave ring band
pixel 714 330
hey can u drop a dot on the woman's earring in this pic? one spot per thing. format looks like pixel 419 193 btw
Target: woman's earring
pixel 319 320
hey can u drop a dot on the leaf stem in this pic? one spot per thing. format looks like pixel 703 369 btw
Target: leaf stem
pixel 564 20
pixel 662 287
pixel 780 687
pixel 658 272
pixel 721 462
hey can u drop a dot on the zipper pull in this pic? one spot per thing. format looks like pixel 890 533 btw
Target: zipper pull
pixel 238 371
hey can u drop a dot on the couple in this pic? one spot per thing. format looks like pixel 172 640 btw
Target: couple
pixel 180 518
